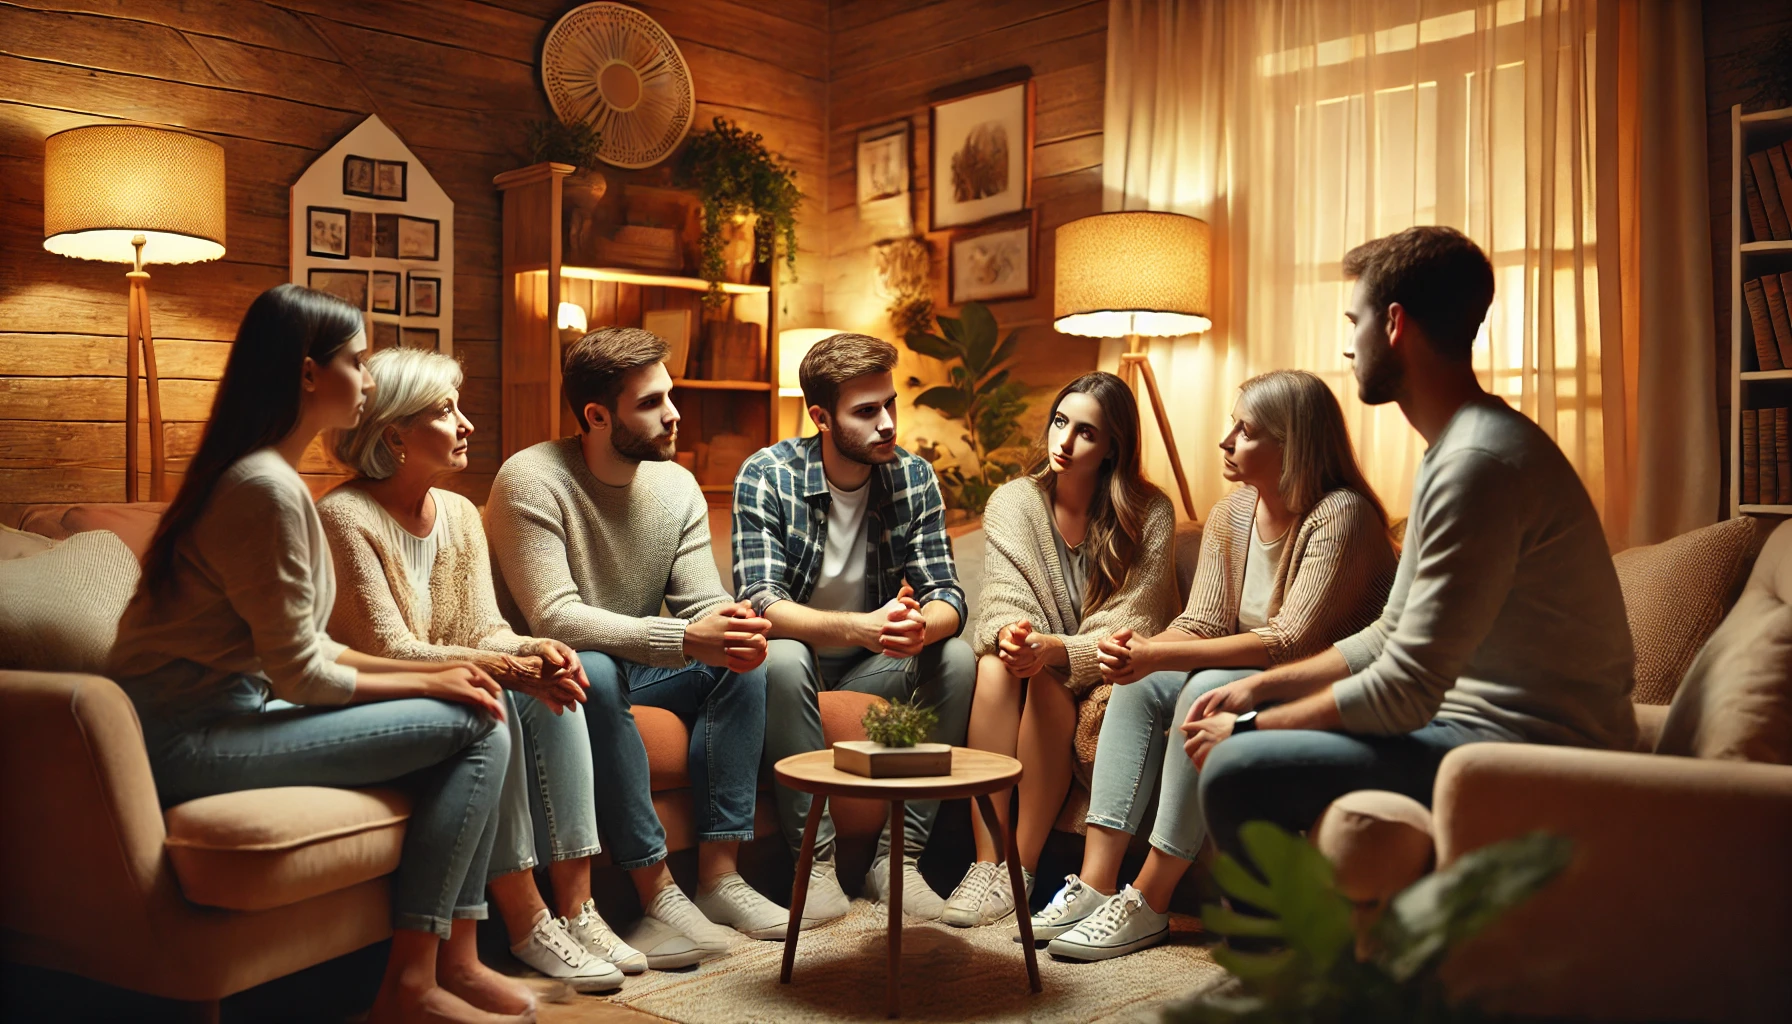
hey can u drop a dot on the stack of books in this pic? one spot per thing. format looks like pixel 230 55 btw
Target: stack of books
pixel 1766 457
pixel 1767 192
pixel 1771 320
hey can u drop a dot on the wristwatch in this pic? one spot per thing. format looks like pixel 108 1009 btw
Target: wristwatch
pixel 1246 722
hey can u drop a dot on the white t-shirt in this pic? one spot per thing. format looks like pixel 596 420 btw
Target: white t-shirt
pixel 419 557
pixel 840 587
pixel 1259 579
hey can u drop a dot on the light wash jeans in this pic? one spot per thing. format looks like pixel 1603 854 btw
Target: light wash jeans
pixel 548 788
pixel 725 712
pixel 943 677
pixel 1134 754
pixel 451 757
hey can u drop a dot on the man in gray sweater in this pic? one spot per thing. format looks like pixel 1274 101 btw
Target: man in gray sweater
pixel 591 537
pixel 1505 622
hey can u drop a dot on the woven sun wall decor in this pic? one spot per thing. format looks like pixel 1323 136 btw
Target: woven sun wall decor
pixel 610 66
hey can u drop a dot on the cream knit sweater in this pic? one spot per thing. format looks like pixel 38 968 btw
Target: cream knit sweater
pixel 376 610
pixel 1024 580
pixel 592 565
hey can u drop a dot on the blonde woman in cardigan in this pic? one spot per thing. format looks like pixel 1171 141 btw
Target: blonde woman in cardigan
pixel 1078 549
pixel 1295 559
pixel 417 584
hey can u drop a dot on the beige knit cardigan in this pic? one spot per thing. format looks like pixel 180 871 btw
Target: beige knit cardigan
pixel 1332 580
pixel 376 611
pixel 1023 579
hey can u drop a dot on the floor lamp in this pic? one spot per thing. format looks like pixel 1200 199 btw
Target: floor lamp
pixel 1136 275
pixel 139 195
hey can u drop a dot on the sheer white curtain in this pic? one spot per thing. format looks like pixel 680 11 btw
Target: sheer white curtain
pixel 1300 128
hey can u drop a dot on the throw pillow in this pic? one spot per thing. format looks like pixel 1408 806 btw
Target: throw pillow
pixel 59 609
pixel 21 544
pixel 135 524
pixel 1736 702
pixel 1675 594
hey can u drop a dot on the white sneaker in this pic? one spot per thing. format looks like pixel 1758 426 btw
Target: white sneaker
pixel 1123 924
pixel 984 897
pixel 590 930
pixel 672 908
pixel 553 952
pixel 918 898
pixel 738 905
pixel 665 947
pixel 826 900
pixel 1068 907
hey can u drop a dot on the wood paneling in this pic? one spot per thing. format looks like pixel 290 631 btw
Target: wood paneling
pixel 276 82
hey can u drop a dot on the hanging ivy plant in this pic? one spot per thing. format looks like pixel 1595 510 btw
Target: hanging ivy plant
pixel 733 173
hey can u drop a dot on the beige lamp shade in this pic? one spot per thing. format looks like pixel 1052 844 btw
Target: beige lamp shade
pixel 105 184
pixel 793 345
pixel 1137 272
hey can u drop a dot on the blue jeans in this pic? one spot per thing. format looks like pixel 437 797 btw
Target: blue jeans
pixel 451 757
pixel 548 788
pixel 725 712
pixel 942 677
pixel 1140 749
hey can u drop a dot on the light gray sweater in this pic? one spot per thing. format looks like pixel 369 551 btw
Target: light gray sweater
pixel 591 565
pixel 1505 610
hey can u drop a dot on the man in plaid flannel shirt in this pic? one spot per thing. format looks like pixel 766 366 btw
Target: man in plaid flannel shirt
pixel 840 541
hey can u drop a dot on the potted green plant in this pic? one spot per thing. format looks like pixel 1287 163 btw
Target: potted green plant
pixel 895 747
pixel 979 393
pixel 745 190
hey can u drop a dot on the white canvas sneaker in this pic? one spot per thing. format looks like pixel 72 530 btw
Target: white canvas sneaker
pixel 984 897
pixel 739 906
pixel 1123 924
pixel 553 952
pixel 918 898
pixel 1069 906
pixel 665 947
pixel 589 930
pixel 672 908
pixel 826 900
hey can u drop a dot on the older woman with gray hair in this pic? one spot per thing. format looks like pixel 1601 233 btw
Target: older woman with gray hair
pixel 415 582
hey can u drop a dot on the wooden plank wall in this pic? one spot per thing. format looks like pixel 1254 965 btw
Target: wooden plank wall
pixel 889 58
pixel 276 82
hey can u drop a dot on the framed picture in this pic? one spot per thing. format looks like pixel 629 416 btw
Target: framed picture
pixel 982 155
pixel 423 296
pixel 385 235
pixel 385 292
pixel 422 337
pixel 883 162
pixel 384 335
pixel 348 285
pixel 994 262
pixel 360 233
pixel 357 176
pixel 418 238
pixel 326 232
pixel 674 325
pixel 389 179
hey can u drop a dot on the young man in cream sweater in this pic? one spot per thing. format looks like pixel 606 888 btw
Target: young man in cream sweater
pixel 840 542
pixel 592 535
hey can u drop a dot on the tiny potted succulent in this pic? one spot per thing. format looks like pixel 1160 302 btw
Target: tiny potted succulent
pixel 895 747
pixel 749 198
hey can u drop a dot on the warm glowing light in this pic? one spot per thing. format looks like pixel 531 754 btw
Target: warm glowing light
pixel 793 345
pixel 105 185
pixel 572 317
pixel 1138 272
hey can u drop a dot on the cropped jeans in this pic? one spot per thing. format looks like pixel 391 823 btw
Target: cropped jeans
pixel 549 799
pixel 451 757
pixel 725 712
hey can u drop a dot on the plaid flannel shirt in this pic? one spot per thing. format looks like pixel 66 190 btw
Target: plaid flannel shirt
pixel 781 505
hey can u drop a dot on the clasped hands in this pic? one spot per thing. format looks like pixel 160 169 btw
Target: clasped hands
pixel 1127 657
pixel 1025 652
pixel 731 637
pixel 551 675
pixel 897 630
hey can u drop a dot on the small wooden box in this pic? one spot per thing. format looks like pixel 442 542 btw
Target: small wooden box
pixel 876 761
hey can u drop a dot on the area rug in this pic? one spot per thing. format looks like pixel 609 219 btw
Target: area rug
pixel 948 974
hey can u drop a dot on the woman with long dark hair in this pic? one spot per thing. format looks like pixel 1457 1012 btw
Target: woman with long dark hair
pixel 224 652
pixel 1077 549
pixel 1293 560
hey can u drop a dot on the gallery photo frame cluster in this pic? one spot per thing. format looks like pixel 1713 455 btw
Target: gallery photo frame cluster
pixel 375 179
pixel 335 233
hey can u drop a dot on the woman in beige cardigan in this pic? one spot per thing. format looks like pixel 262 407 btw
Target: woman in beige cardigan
pixel 1078 549
pixel 1295 559
pixel 416 584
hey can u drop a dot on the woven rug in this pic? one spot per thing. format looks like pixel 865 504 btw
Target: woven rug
pixel 948 974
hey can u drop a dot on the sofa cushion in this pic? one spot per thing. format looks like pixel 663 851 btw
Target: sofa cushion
pixel 134 523
pixel 21 544
pixel 1736 702
pixel 59 608
pixel 256 849
pixel 1675 594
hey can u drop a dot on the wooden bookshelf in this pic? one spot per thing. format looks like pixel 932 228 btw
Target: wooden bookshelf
pixel 1750 386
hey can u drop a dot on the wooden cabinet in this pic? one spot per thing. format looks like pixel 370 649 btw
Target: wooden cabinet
pixel 723 419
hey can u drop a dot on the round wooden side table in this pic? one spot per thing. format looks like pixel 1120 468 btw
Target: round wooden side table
pixel 975 773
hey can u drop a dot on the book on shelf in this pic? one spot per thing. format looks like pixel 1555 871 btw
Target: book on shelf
pixel 1766 350
pixel 1782 178
pixel 1782 448
pixel 1770 195
pixel 1776 312
pixel 1751 459
pixel 1766 457
pixel 1757 213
